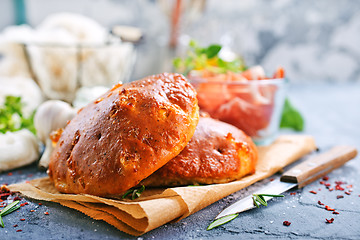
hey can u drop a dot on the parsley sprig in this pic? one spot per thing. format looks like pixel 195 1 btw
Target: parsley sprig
pixel 12 118
pixel 257 199
pixel 7 210
pixel 199 58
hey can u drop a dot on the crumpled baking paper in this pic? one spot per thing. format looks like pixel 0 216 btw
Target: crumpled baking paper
pixel 156 207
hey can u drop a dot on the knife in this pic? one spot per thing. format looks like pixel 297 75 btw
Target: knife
pixel 300 176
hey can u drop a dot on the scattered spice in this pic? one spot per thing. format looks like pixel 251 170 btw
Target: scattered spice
pixel 339 196
pixel 313 192
pixel 46 213
pixel 339 182
pixel 329 208
pixel 22 204
pixel 22 219
pixel 293 193
pixel 32 210
pixel 286 223
pixel 331 189
pixel 334 212
pixel 17 198
pixel 272 179
pixel 10 174
pixel 325 178
pixel 327 184
pixel 320 203
pixel 347 193
pixel 40 204
pixel 4 196
pixel 338 187
pixel 19 230
pixel 321 182
pixel 349 186
pixel 15 225
pixel 329 220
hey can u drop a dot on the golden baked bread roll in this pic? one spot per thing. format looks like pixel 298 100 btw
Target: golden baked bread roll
pixel 125 135
pixel 217 153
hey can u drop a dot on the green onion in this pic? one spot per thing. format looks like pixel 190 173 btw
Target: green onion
pixel 1 222
pixel 259 198
pixel 8 209
pixel 222 221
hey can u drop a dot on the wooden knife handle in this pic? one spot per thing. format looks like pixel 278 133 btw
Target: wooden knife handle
pixel 319 165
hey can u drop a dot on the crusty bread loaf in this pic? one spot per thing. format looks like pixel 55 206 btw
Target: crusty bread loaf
pixel 125 135
pixel 217 153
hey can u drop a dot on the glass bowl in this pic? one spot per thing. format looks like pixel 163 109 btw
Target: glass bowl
pixel 60 69
pixel 254 106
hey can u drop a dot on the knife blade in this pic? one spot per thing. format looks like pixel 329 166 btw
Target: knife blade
pixel 300 176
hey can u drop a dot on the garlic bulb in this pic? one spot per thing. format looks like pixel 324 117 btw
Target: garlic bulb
pixel 50 116
pixel 18 149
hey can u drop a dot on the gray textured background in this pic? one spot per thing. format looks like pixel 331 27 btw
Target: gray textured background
pixel 313 40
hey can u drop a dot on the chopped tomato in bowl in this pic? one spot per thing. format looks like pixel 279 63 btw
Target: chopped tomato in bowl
pixel 248 100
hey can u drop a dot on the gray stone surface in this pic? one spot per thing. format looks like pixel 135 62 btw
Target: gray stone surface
pixel 332 116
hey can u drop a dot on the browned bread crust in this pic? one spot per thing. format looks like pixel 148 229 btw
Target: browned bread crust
pixel 125 135
pixel 217 153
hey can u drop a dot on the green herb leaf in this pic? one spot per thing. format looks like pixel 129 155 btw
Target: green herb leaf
pixel 178 63
pixel 259 198
pixel 212 50
pixel 193 44
pixel 13 104
pixel 255 202
pixel 291 118
pixel 12 118
pixel 7 210
pixel 270 195
pixel 208 58
pixel 1 222
pixel 222 221
pixel 13 209
pixel 127 193
pixel 10 208
pixel 134 193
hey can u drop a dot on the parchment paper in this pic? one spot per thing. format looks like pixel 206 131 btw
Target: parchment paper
pixel 156 207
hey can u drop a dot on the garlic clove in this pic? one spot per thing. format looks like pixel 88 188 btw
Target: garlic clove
pixel 18 149
pixel 50 116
